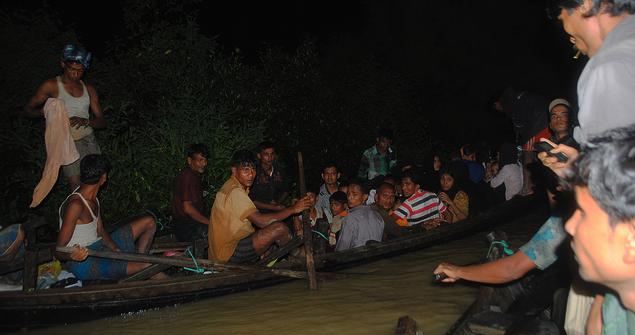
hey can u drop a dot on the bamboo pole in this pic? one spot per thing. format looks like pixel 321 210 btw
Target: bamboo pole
pixel 202 263
pixel 306 224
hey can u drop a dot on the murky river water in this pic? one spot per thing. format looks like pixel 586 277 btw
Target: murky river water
pixel 368 303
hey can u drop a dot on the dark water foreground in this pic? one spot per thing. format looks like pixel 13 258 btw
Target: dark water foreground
pixel 368 303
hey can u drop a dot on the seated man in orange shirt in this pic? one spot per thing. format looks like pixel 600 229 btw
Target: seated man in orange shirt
pixel 231 234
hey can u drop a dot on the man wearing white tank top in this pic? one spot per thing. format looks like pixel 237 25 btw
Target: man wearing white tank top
pixel 81 226
pixel 78 97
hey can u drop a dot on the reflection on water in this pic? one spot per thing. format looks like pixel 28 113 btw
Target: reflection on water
pixel 368 303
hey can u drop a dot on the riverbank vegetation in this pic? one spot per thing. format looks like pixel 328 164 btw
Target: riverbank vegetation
pixel 166 85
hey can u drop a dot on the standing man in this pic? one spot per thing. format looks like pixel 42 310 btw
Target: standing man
pixel 605 31
pixel 231 234
pixel 330 175
pixel 187 200
pixel 380 159
pixel 77 97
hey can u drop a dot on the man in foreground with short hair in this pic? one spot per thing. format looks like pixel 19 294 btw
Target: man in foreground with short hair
pixel 603 226
pixel 231 235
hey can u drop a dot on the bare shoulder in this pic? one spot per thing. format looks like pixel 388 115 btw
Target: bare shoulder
pixel 90 88
pixel 73 207
pixel 49 86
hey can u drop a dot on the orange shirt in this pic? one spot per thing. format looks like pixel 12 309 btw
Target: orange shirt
pixel 228 221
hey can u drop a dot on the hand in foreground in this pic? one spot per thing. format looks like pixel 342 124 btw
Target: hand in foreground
pixel 552 162
pixel 301 205
pixel 433 223
pixel 79 254
pixel 78 122
pixel 449 270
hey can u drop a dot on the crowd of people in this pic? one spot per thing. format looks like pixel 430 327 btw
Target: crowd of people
pixel 590 157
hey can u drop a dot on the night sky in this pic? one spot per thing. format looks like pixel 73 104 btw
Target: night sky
pixel 459 52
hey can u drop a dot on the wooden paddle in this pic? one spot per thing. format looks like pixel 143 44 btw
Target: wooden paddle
pixel 306 224
pixel 202 263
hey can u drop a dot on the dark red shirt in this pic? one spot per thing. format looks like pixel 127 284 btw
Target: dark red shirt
pixel 187 187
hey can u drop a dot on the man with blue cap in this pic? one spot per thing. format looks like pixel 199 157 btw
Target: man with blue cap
pixel 74 96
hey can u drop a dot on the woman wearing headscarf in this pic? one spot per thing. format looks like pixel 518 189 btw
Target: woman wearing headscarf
pixel 453 179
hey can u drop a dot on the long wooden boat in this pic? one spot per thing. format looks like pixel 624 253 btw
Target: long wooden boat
pixel 40 308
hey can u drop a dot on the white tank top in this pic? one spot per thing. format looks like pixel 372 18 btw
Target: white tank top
pixel 84 234
pixel 75 107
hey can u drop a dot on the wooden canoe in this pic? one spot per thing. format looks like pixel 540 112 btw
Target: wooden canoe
pixel 41 308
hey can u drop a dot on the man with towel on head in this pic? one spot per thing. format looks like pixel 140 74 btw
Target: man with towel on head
pixel 70 95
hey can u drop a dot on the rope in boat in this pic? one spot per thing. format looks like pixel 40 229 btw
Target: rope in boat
pixel 156 220
pixel 197 270
pixel 508 251
pixel 317 232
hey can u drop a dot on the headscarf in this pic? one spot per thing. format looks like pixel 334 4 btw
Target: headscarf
pixel 461 174
pixel 71 53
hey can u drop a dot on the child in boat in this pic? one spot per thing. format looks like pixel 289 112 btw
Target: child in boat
pixel 421 207
pixel 362 224
pixel 452 194
pixel 315 212
pixel 339 208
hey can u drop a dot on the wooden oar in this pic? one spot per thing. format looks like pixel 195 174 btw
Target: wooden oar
pixel 306 224
pixel 202 263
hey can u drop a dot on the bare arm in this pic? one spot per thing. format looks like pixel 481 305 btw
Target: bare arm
pixel 105 237
pixel 72 212
pixel 264 205
pixel 98 121
pixel 497 272
pixel 459 213
pixel 46 90
pixel 189 209
pixel 263 220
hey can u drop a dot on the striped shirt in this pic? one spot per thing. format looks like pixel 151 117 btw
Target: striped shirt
pixel 421 206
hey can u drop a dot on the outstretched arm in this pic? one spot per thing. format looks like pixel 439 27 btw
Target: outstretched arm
pixel 497 272
pixel 263 220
